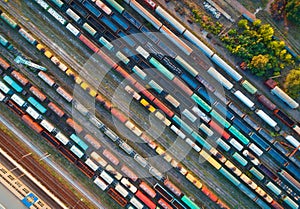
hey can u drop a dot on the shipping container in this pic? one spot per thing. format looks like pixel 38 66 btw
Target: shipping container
pixel 236 144
pixel 206 130
pixel 255 149
pixel 155 86
pixel 290 202
pixel 248 181
pixel 137 204
pixel 106 43
pixel 193 145
pixel 18 100
pixel 91 164
pixel 201 114
pixel 3 64
pixel 111 170
pixel 89 29
pixel 273 188
pixel 106 177
pixel 139 72
pixel 34 114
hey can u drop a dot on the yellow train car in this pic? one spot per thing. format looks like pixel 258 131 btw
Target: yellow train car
pixel 194 180
pixel 211 160
pixel 41 47
pixel 48 54
pixel 147 105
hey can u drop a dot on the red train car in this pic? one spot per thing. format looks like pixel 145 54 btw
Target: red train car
pixel 51 139
pixel 24 81
pixel 15 108
pixel 107 59
pixel 163 107
pixel 164 204
pixel 146 188
pixel 56 109
pixel 35 126
pixel 88 43
pixel 183 87
pixel 266 102
pixel 117 197
pixel 222 205
pixel 108 105
pixel 36 92
pixel 126 75
pixel 85 169
pixel 276 205
pixel 69 155
pixel 172 187
pixel 112 158
pixel 144 91
pixel 74 125
pixel 5 65
pixel 219 129
pixel 101 99
pixel 209 194
pixel 145 199
pixel 118 114
pixel 129 173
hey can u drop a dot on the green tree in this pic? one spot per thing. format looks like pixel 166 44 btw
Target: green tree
pixel 292 83
pixel 243 23
pixel 293 11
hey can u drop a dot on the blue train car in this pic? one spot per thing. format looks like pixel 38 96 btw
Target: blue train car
pixel 91 8
pixel 241 126
pixel 120 21
pixel 127 39
pixel 37 105
pixel 224 111
pixel 259 141
pixel 131 19
pixel 12 83
pixel 182 124
pixel 149 34
pixel 79 141
pixel 189 81
pixel 293 170
pixel 266 135
pixel 109 24
pixel 278 157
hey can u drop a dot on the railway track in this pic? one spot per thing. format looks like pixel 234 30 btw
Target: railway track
pixel 44 176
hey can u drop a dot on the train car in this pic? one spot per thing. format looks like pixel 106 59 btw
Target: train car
pixel 117 197
pixel 4 42
pixel 248 181
pixel 182 86
pixel 145 199
pixel 37 105
pixel 172 187
pixel 267 119
pixel 292 181
pixel 121 190
pixel 18 100
pixel 79 141
pixel 88 43
pixel 189 202
pixel 224 66
pixel 37 93
pixel 284 97
pixel 34 114
pixel 290 202
pixel 236 144
pixel 47 125
pixel 201 103
pixel 139 72
pixel 267 172
pixel 284 118
pixel 206 130
pixel 106 43
pixel 220 78
pixel 76 151
pixel 164 193
pixel 257 173
pixel 233 168
pixel 144 186
pixel 91 164
pixel 251 122
pixel 137 204
pixel 249 87
pixel 73 29
pixel 56 109
pixel 12 83
pixel 219 130
pixel 223 145
pixel 161 68
pixel 229 176
pixel 90 139
pixel 222 121
pixel 244 99
pixel 87 27
pixel 199 44
pixel 194 180
pixel 103 7
pixel 164 204
pixel 99 159
pixel 129 173
pixel 28 37
pixel 93 10
pixel 255 149
pixel 8 20
pixel 64 94
pixel 5 89
pixel 147 15
pixel 240 159
pixel 74 125
pixel 173 22
pixel 129 185
pixel 296 128
pixel 3 64
pixel 35 126
pixel 24 81
pixel 111 170
pixel 62 138
pixel 266 102
pixel 111 135
pixel 241 126
pixel 2 97
pixel 112 158
pixel 73 15
pixel 57 16
pixel 273 188
pixel 100 183
pixel 236 109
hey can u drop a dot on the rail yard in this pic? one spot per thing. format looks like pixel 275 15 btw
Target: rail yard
pixel 140 111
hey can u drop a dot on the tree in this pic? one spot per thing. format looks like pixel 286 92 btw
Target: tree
pixel 243 23
pixel 266 31
pixel 293 11
pixel 292 83
pixel 259 64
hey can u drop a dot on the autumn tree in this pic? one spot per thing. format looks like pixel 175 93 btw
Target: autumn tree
pixel 259 64
pixel 243 23
pixel 266 32
pixel 292 83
